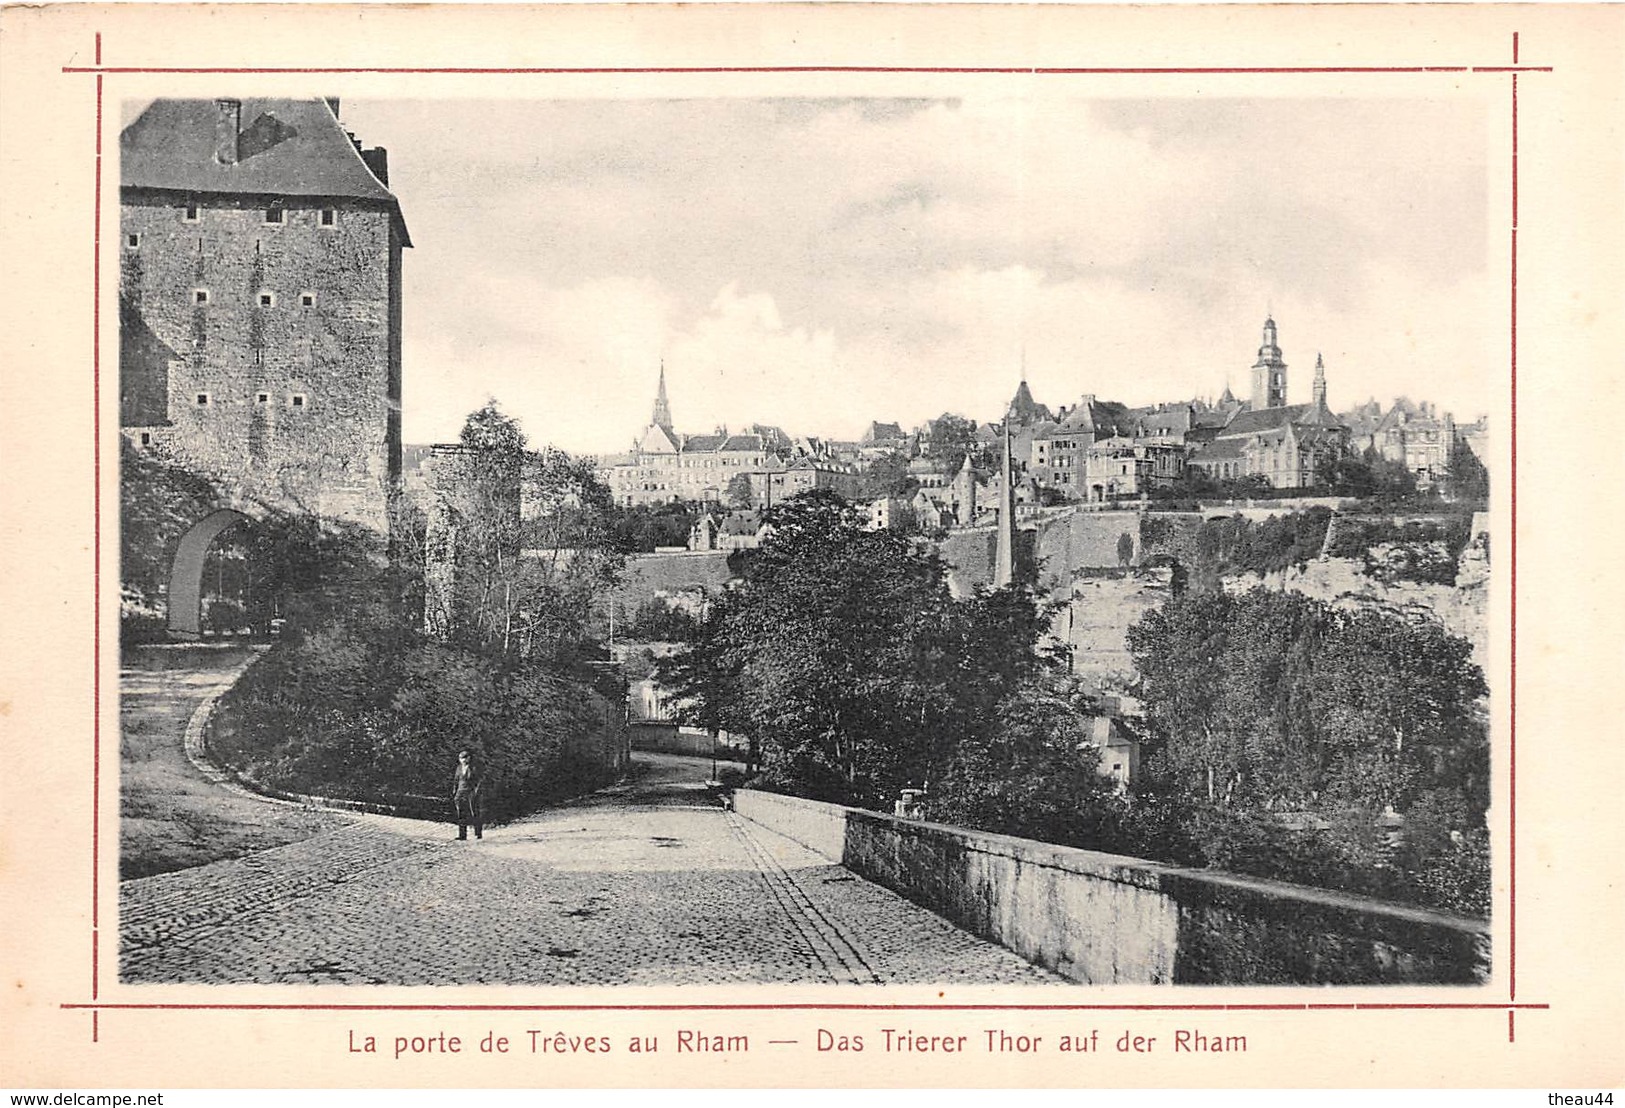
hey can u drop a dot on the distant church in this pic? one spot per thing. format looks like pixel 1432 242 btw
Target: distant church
pixel 1267 437
pixel 665 467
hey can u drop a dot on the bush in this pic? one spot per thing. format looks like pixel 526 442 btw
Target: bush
pixel 1410 550
pixel 337 712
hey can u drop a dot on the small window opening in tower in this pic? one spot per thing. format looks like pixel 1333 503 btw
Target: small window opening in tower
pixel 203 400
pixel 190 215
pixel 267 299
pixel 132 241
pixel 200 296
pixel 297 400
pixel 330 217
pixel 273 214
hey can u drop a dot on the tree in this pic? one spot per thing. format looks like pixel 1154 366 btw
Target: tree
pixel 888 475
pixel 1031 773
pixel 1346 476
pixel 844 655
pixel 952 438
pixel 527 542
pixel 1466 478
pixel 643 527
pixel 1273 699
pixel 739 492
pixel 568 559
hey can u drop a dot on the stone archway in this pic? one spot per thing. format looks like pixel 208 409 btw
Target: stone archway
pixel 186 574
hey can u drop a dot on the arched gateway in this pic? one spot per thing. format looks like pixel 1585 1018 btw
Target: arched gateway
pixel 186 574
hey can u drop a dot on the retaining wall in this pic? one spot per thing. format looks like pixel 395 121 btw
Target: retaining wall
pixel 1103 918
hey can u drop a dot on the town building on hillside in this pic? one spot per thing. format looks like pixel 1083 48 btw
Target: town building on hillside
pixel 880 439
pixel 1118 467
pixel 1056 453
pixel 742 531
pixel 260 302
pixel 1418 437
pixel 1286 444
pixel 1024 411
pixel 664 466
pixel 776 481
pixel 1118 750
pixel 1413 434
pixel 884 513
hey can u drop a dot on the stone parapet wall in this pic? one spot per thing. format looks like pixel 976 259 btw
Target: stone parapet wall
pixel 1102 918
pixel 818 826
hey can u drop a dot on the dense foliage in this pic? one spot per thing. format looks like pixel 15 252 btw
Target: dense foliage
pixel 842 653
pixel 362 708
pixel 1234 545
pixel 528 541
pixel 888 476
pixel 1404 550
pixel 357 701
pixel 656 620
pixel 642 528
pixel 1283 732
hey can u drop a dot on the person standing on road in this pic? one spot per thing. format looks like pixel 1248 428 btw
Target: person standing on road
pixel 467 785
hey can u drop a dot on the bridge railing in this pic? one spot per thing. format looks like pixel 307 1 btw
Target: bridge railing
pixel 1104 918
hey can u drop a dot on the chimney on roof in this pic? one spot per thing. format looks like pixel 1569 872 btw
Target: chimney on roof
pixel 333 103
pixel 377 160
pixel 228 120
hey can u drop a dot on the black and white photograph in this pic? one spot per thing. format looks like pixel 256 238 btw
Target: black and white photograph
pixel 859 546
pixel 983 540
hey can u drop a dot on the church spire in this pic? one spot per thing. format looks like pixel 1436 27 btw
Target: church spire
pixel 662 414
pixel 1320 381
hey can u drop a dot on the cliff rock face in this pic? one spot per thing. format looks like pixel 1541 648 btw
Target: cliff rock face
pixel 1104 602
pixel 1103 606
pixel 1462 608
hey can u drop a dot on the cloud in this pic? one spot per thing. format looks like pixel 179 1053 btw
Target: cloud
pixel 895 258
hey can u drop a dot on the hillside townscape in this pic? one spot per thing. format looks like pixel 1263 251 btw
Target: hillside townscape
pixel 1227 654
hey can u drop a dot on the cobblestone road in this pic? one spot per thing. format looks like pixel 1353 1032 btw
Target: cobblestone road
pixel 643 884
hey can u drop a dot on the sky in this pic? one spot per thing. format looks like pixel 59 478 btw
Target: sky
pixel 819 263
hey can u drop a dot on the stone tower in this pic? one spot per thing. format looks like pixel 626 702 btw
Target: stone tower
pixel 260 303
pixel 1320 381
pixel 1269 372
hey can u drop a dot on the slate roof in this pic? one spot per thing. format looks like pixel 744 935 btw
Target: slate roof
pixel 878 432
pixel 710 444
pixel 285 148
pixel 1099 416
pixel 1249 421
pixel 1024 409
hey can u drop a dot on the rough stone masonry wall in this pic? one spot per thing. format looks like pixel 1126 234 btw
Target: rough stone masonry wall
pixel 647 574
pixel 1102 918
pixel 1105 604
pixel 338 452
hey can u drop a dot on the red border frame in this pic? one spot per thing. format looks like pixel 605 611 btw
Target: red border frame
pixel 95 1006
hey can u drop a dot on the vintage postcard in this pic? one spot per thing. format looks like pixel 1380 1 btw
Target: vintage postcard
pixel 810 545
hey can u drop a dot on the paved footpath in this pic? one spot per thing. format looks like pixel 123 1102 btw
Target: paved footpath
pixel 641 884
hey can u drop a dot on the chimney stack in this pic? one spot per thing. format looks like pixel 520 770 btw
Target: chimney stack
pixel 227 127
pixel 377 159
